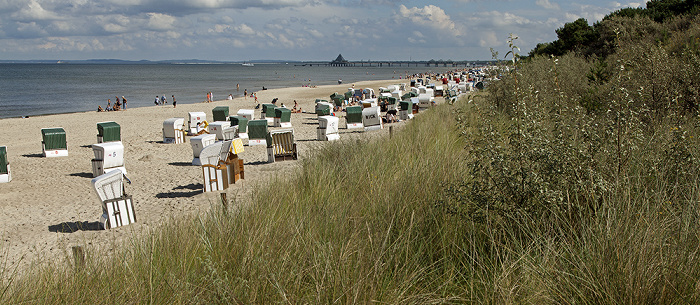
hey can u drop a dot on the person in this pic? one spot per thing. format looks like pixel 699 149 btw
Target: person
pixel 230 97
pixel 274 101
pixel 99 108
pixel 245 93
pixel 391 116
pixel 282 105
pixel 109 105
pixel 296 108
pixel 174 102
pixel 238 87
pixel 255 95
pixel 117 103
pixel 157 101
pixel 124 102
pixel 163 101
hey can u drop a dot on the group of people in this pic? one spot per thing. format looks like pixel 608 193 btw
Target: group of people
pixel 162 100
pixel 119 104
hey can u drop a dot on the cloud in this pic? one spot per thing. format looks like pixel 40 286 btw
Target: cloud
pixel 547 4
pixel 431 16
pixel 160 22
pixel 34 11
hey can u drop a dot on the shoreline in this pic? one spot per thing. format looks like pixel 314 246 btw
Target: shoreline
pixel 50 204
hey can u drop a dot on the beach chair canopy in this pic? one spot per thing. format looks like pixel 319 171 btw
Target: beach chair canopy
pixel 409 95
pixel 240 121
pixel 353 114
pixel 215 153
pixel 109 131
pixel 328 122
pixel 257 129
pixel 348 95
pixel 220 113
pixel 406 105
pixel 3 160
pixel 284 114
pixel 171 125
pixel 54 138
pixel 246 113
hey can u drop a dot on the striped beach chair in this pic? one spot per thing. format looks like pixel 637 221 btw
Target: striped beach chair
pixel 281 145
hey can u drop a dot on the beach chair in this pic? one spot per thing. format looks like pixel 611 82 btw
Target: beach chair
pixel 425 101
pixel 219 113
pixel 198 143
pixel 117 206
pixel 5 173
pixel 193 119
pixel 268 113
pixel 217 128
pixel 283 117
pixel 257 132
pixel 353 117
pixel 53 143
pixel 221 165
pixel 246 113
pixel 108 156
pixel 327 128
pixel 173 131
pixel 405 110
pixel 371 118
pixel 242 123
pixel 108 132
pixel 281 145
pixel 323 107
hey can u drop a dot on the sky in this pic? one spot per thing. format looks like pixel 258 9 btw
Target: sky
pixel 306 30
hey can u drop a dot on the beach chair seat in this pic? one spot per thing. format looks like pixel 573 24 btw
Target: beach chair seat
pixel 173 131
pixel 5 173
pixel 221 165
pixel 108 156
pixel 327 128
pixel 117 206
pixel 53 143
pixel 405 110
pixel 108 132
pixel 281 145
pixel 371 118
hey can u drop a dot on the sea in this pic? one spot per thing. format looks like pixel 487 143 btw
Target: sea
pixel 34 89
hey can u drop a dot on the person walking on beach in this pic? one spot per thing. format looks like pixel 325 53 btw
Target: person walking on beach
pixel 174 102
pixel 163 101
pixel 238 87
pixel 124 102
pixel 245 94
pixel 157 101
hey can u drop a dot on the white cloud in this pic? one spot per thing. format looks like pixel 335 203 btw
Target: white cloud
pixel 34 11
pixel 160 22
pixel 430 15
pixel 547 4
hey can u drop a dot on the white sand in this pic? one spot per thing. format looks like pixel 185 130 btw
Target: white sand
pixel 48 196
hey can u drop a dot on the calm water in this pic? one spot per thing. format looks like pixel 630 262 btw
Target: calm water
pixel 38 89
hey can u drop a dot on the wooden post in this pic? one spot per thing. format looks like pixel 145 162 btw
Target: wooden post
pixel 391 131
pixel 224 202
pixel 79 257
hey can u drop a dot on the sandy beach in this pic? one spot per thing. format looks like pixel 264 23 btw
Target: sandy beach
pixel 50 205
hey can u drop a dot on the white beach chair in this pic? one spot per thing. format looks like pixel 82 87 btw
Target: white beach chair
pixel 193 119
pixel 425 101
pixel 246 113
pixel 117 207
pixel 371 118
pixel 198 143
pixel 327 128
pixel 108 156
pixel 173 131
pixel 54 143
pixel 217 128
pixel 221 165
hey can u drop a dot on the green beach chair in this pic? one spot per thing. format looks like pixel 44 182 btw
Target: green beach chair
pixel 257 132
pixel 108 132
pixel 268 113
pixel 5 175
pixel 283 117
pixel 353 117
pixel 53 143
pixel 220 113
